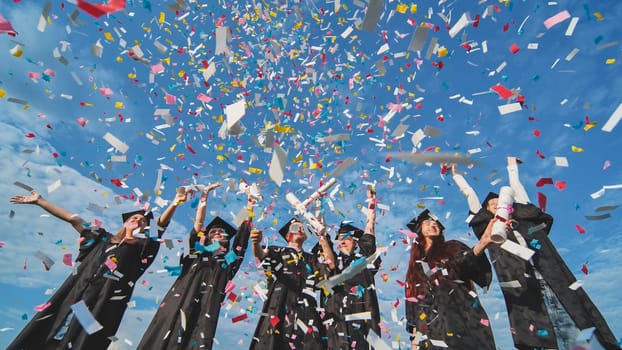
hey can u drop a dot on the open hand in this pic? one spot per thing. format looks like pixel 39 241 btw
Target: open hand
pixel 32 199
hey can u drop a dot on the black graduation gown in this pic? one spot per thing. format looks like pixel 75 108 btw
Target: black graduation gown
pixel 188 314
pixel 447 310
pixel 289 318
pixel 356 295
pixel 105 293
pixel 529 318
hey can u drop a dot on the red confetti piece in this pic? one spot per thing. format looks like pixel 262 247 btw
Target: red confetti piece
pixel 544 181
pixel 502 91
pixel 536 133
pixel 116 182
pixel 584 269
pixel 506 27
pixel 580 229
pixel 190 149
pixel 239 318
pixel 541 201
pixel 98 10
pixel 274 320
pixel 540 154
pixel 30 135
pixel 514 48
pixel 561 185
pixel 232 297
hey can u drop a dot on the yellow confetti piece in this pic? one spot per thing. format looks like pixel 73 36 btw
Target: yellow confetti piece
pixel 131 75
pixel 413 8
pixel 598 15
pixel 401 8
pixel 442 52
pixel 422 316
pixel 119 59
pixel 255 170
pixel 108 36
pixel 118 105
pixel 162 17
pixel 172 147
pixel 420 206
pixel 2 93
pixel 589 126
pixel 610 61
pixel 283 129
pixel 577 149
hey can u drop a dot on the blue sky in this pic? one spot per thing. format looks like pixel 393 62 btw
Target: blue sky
pixel 305 71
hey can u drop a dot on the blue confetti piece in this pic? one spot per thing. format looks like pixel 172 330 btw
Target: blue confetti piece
pixel 231 257
pixel 173 270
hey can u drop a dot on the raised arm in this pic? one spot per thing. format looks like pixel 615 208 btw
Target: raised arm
pixel 199 220
pixel 370 224
pixel 258 251
pixel 520 195
pixel 35 198
pixel 466 189
pixel 167 215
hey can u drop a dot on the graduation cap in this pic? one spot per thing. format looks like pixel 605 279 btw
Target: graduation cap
pixel 219 222
pixel 491 195
pixel 415 224
pixel 348 230
pixel 283 231
pixel 148 216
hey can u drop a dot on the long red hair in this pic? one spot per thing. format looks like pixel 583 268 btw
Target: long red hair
pixel 417 282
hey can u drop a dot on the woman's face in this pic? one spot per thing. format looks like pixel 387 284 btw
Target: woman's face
pixel 217 234
pixel 136 221
pixel 430 228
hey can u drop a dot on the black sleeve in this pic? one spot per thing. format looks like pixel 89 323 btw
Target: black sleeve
pixel 240 243
pixel 471 267
pixel 412 311
pixel 367 246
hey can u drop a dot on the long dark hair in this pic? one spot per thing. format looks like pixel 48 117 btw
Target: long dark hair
pixel 416 280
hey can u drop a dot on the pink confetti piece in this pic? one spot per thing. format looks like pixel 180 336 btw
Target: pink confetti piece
pixel 110 264
pixel 556 19
pixel 606 165
pixel 67 259
pixel 6 27
pixel 42 307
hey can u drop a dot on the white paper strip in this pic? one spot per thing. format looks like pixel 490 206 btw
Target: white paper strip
pixel 614 119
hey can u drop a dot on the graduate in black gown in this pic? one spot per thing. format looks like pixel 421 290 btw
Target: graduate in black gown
pixel 442 308
pixel 543 310
pixel 352 307
pixel 188 314
pixel 102 284
pixel 289 318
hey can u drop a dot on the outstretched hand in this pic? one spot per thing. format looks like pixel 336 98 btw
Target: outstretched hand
pixel 32 199
pixel 180 196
